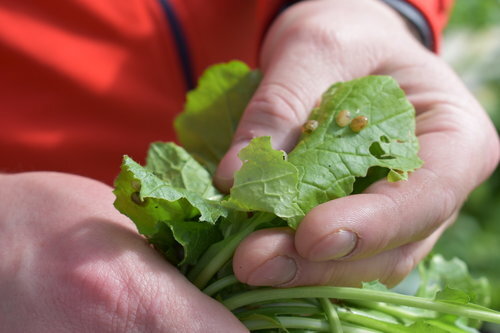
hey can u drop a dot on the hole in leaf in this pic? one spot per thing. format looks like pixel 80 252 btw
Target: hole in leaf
pixel 373 174
pixel 378 152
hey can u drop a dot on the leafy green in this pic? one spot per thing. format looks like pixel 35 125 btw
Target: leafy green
pixel 325 163
pixel 181 205
pixel 453 296
pixel 175 166
pixel 374 285
pixel 449 280
pixel 266 182
pixel 173 203
pixel 213 110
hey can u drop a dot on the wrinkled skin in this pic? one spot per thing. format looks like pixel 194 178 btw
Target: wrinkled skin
pixel 388 229
pixel 69 262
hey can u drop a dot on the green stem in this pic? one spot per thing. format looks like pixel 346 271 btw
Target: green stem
pixel 447 327
pixel 372 323
pixel 319 325
pixel 261 295
pixel 221 252
pixel 220 284
pixel 331 315
pixel 405 313
pixel 274 309
pixel 394 311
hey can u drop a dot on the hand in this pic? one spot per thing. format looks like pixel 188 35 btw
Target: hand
pixel 384 232
pixel 69 262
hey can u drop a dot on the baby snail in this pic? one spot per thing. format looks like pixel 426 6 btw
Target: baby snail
pixel 310 126
pixel 136 198
pixel 343 118
pixel 358 123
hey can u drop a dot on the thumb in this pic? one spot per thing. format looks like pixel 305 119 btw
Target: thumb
pixel 294 78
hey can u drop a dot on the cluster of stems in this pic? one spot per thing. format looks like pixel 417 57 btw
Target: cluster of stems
pixel 311 308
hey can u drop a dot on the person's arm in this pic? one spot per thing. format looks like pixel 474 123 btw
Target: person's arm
pixel 69 262
pixel 385 231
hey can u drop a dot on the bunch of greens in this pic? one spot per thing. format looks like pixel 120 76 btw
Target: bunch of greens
pixel 174 204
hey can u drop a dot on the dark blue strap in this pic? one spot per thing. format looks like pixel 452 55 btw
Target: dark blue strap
pixel 180 42
pixel 416 18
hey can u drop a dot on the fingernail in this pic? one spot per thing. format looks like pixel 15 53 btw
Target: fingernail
pixel 276 271
pixel 335 246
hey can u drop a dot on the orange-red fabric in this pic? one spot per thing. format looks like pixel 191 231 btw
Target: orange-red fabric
pixel 236 29
pixel 83 82
pixel 436 12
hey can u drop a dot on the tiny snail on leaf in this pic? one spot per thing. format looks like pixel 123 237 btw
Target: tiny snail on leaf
pixel 358 123
pixel 136 198
pixel 343 118
pixel 310 126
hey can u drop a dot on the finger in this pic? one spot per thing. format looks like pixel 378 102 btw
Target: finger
pixel 292 84
pixel 270 259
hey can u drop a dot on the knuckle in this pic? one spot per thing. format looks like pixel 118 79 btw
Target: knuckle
pixel 450 204
pixel 449 201
pixel 277 104
pixel 321 37
pixel 402 264
pixel 306 23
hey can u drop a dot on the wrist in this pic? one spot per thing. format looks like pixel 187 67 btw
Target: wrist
pixel 415 21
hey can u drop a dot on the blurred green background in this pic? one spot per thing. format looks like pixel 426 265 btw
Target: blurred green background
pixel 472 47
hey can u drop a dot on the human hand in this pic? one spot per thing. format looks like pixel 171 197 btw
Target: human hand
pixel 385 231
pixel 69 262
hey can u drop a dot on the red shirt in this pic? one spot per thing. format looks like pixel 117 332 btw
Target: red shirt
pixel 436 13
pixel 84 82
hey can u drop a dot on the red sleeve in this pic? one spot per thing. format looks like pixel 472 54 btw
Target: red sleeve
pixel 436 13
pixel 84 82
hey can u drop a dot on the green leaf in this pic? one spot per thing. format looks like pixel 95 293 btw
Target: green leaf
pixel 213 110
pixel 450 279
pixel 453 296
pixel 153 203
pixel 177 167
pixel 326 162
pixel 331 157
pixel 174 204
pixel 375 285
pixel 266 181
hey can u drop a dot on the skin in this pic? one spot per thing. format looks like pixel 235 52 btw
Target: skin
pixel 388 229
pixel 69 262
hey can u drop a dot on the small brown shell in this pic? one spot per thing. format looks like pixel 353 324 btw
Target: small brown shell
pixel 343 118
pixel 358 123
pixel 136 198
pixel 136 185
pixel 310 126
